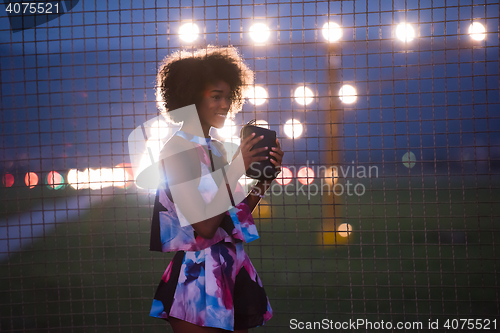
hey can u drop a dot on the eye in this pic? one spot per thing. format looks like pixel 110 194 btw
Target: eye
pixel 216 97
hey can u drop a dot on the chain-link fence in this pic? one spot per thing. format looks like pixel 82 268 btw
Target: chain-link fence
pixel 386 212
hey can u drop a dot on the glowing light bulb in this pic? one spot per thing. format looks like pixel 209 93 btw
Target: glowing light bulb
pixel 331 175
pixel 347 94
pixel 477 31
pixel 344 230
pixel 188 32
pixel 257 95
pixel 409 160
pixel 31 179
pixel 303 95
pixel 305 175
pixel 405 32
pixel 8 180
pixel 285 176
pixel 332 31
pixel 55 180
pixel 259 32
pixel 293 128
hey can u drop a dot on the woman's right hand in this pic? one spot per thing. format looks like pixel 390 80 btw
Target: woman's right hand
pixel 249 156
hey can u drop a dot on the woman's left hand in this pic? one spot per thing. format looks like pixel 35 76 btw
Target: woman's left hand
pixel 277 155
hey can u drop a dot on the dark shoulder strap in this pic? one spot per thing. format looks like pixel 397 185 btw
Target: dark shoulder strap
pixel 155 240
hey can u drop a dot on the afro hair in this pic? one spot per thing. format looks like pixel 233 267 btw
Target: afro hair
pixel 183 76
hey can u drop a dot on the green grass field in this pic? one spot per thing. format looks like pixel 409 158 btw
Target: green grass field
pixel 420 248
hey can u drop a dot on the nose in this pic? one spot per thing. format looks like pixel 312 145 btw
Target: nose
pixel 225 104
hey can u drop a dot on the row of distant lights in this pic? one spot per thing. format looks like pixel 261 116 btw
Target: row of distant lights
pixel 331 31
pixel 121 176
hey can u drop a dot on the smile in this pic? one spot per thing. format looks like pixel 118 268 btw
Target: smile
pixel 221 115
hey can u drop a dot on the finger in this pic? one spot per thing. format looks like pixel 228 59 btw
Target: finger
pixel 255 140
pixel 259 158
pixel 276 158
pixel 246 140
pixel 277 151
pixel 258 150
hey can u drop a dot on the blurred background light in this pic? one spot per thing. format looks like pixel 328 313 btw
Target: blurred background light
pixel 405 32
pixel 31 179
pixel 257 95
pixel 259 32
pixel 344 230
pixel 305 175
pixel 188 32
pixel 347 94
pixel 285 176
pixel 477 31
pixel 159 129
pixel 228 130
pixel 332 31
pixel 8 180
pixel 303 95
pixel 55 180
pixel 409 160
pixel 293 128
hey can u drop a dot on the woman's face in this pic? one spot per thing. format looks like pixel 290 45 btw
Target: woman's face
pixel 214 105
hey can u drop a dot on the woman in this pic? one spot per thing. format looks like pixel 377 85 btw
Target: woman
pixel 210 285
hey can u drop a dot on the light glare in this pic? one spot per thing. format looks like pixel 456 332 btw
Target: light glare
pixel 228 130
pixel 31 179
pixel 405 32
pixel 285 176
pixel 477 31
pixel 303 95
pixel 257 95
pixel 189 32
pixel 332 31
pixel 344 230
pixel 159 129
pixel 305 175
pixel 259 32
pixel 293 128
pixel 347 94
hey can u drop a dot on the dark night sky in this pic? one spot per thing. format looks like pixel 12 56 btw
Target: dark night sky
pixel 73 89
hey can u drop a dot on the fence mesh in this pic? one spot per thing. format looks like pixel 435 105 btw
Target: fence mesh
pixel 387 211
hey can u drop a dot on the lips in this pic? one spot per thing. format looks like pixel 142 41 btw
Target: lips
pixel 223 115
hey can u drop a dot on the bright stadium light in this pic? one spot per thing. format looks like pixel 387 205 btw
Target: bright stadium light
pixel 31 179
pixel 347 94
pixel 259 32
pixel 344 230
pixel 305 175
pixel 285 176
pixel 188 32
pixel 293 128
pixel 332 31
pixel 228 130
pixel 405 32
pixel 54 180
pixel 477 31
pixel 257 95
pixel 303 95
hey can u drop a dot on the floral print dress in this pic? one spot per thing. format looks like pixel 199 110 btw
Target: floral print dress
pixel 209 282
